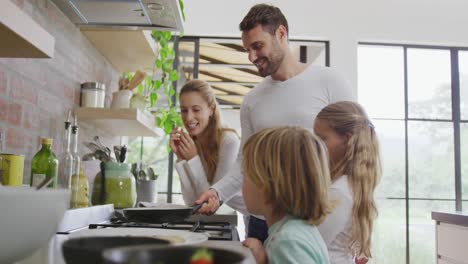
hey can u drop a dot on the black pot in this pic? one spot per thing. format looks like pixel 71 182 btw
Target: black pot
pixel 167 255
pixel 89 249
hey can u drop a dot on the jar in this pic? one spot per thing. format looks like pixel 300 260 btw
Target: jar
pixel 93 94
pixel 120 185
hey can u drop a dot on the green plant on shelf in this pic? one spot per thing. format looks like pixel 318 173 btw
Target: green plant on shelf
pixel 163 76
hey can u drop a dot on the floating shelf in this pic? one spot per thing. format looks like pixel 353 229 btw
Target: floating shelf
pixel 120 122
pixel 22 37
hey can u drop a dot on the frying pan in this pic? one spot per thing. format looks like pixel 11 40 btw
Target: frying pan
pixel 168 254
pixel 89 249
pixel 159 215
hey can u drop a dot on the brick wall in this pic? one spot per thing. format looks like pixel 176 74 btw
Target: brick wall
pixel 35 94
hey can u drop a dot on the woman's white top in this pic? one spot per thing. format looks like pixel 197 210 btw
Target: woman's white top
pixel 193 178
pixel 337 227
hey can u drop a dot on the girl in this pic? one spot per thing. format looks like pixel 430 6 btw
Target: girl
pixel 287 180
pixel 206 153
pixel 355 171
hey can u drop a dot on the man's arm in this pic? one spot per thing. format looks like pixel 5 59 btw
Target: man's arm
pixel 231 184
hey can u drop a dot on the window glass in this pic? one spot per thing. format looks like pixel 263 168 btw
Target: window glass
pixel 388 239
pixel 463 69
pixel 429 85
pixel 422 229
pixel 431 160
pixel 391 134
pixel 381 81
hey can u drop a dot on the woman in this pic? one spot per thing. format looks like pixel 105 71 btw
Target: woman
pixel 206 152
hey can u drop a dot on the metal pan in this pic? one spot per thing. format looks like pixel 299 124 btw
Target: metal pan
pixel 159 215
pixel 169 254
pixel 89 249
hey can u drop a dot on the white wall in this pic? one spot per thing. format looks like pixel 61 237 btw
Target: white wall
pixel 343 23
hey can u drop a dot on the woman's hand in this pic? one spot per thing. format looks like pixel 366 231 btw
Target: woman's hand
pixel 258 251
pixel 186 146
pixel 212 199
pixel 175 142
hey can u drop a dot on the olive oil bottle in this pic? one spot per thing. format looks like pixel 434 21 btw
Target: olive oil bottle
pixel 44 165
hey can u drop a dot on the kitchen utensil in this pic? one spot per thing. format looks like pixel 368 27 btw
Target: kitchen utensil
pixel 123 153
pixel 151 174
pixel 102 146
pixel 88 157
pixel 92 146
pixel 136 80
pixel 117 152
pixel 134 170
pixel 102 195
pixel 175 237
pixel 89 249
pixel 160 215
pixel 11 168
pixel 142 175
pixel 168 254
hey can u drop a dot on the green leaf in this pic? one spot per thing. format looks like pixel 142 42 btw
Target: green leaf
pixel 174 75
pixel 163 54
pixel 168 127
pixel 153 99
pixel 158 63
pixel 181 3
pixel 157 85
pixel 140 89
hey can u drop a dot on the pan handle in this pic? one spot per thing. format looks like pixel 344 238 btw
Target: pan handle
pixel 197 207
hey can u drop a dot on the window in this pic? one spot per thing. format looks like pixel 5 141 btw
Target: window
pixel 417 106
pixel 224 64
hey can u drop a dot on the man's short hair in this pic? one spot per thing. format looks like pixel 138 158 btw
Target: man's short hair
pixel 270 17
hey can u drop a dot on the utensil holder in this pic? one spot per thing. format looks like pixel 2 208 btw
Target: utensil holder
pixel 147 191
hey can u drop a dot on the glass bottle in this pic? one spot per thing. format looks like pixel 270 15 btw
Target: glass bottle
pixel 44 165
pixel 76 161
pixel 66 158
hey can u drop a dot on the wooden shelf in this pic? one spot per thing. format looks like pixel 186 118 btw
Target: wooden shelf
pixel 127 51
pixel 22 37
pixel 120 122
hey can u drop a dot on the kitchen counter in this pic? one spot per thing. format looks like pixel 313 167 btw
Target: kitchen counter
pixel 75 219
pixel 451 237
pixel 455 218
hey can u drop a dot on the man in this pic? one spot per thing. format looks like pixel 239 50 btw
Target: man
pixel 292 93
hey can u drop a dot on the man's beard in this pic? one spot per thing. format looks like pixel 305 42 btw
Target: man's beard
pixel 272 64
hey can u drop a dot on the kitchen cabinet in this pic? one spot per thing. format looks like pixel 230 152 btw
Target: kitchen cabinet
pixel 120 122
pixel 451 237
pixel 22 37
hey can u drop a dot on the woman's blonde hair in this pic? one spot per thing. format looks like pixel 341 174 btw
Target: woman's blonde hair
pixel 361 163
pixel 291 165
pixel 213 133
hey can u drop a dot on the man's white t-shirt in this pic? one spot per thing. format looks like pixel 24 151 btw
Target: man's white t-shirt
pixel 294 102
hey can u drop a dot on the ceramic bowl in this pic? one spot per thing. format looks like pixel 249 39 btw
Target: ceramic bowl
pixel 28 219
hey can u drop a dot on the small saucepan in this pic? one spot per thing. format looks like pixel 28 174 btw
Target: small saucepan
pixel 170 255
pixel 89 250
pixel 160 215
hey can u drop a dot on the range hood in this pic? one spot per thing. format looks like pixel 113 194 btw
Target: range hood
pixel 164 15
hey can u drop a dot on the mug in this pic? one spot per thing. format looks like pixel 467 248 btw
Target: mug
pixel 11 169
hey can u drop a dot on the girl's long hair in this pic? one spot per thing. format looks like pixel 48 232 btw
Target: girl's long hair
pixel 212 135
pixel 361 163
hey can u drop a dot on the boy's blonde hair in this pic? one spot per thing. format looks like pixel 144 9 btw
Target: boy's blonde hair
pixel 361 163
pixel 290 164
